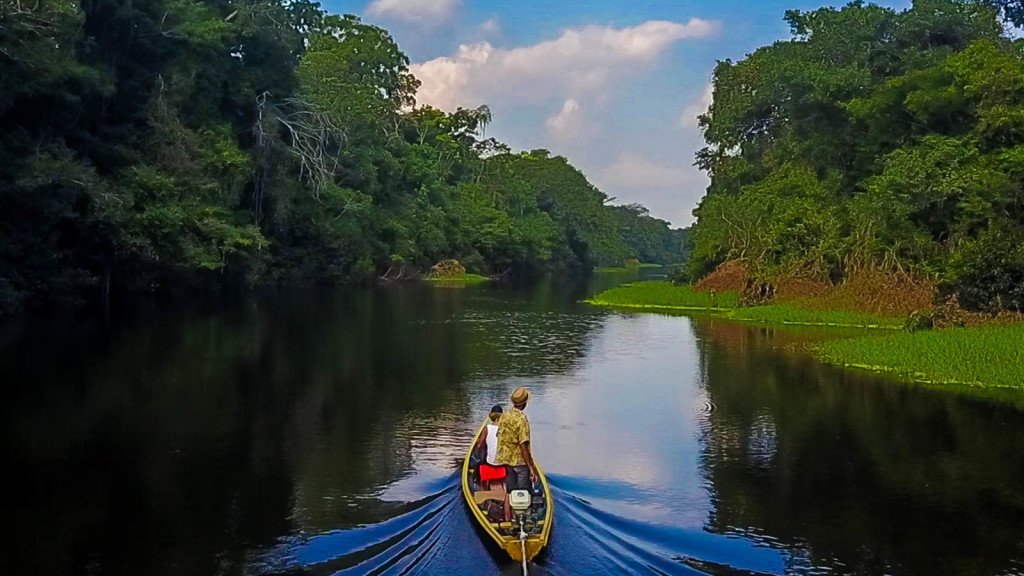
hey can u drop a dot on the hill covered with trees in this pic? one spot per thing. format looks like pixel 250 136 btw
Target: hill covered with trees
pixel 156 143
pixel 874 139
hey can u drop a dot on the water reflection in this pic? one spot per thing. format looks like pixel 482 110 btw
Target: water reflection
pixel 179 441
pixel 318 432
pixel 854 475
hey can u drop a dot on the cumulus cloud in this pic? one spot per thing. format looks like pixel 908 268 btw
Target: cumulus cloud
pixel 582 61
pixel 415 11
pixel 566 93
pixel 669 189
pixel 637 172
pixel 566 120
pixel 688 119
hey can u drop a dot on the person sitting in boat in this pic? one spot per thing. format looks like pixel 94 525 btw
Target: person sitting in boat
pixel 489 470
pixel 514 445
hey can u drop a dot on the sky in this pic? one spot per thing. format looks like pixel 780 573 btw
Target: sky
pixel 614 86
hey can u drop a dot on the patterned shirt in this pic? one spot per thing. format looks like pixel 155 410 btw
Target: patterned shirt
pixel 513 430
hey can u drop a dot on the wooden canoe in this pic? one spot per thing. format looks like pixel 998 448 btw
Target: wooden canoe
pixel 499 532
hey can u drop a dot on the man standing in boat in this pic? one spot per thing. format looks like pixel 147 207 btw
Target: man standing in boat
pixel 514 444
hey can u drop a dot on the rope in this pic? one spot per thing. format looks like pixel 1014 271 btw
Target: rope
pixel 522 544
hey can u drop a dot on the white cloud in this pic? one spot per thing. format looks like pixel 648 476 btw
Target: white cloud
pixel 669 189
pixel 688 119
pixel 580 62
pixel 415 11
pixel 581 94
pixel 566 121
pixel 634 171
pixel 490 26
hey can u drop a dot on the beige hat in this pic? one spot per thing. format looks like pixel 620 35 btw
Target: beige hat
pixel 520 395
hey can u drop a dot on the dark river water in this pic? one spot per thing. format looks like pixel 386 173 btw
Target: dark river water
pixel 318 433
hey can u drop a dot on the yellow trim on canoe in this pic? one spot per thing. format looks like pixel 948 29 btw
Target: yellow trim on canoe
pixel 534 543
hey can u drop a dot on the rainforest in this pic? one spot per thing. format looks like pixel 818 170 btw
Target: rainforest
pixel 180 144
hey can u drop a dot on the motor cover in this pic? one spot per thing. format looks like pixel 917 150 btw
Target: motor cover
pixel 519 500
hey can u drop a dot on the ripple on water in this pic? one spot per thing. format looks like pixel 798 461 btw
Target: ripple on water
pixel 436 535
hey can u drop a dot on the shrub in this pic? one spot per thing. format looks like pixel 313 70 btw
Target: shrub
pixel 447 269
pixel 987 273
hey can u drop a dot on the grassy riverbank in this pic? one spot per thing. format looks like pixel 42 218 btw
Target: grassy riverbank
pixel 663 296
pixel 666 296
pixel 990 356
pixel 624 269
pixel 458 279
pixel 791 314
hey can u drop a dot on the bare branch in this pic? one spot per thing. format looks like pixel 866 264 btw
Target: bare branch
pixel 316 141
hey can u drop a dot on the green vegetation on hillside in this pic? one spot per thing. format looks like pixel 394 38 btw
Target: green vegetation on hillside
pixel 158 143
pixel 990 356
pixel 873 139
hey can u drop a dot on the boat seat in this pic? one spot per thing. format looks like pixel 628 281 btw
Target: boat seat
pixel 481 496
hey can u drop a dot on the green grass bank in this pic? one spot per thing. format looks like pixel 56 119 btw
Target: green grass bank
pixel 457 279
pixel 657 295
pixel 991 356
pixel 796 315
pixel 624 269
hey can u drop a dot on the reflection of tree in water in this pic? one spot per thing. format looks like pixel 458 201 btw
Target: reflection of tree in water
pixel 188 438
pixel 855 474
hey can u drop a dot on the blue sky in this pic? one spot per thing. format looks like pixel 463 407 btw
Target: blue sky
pixel 613 86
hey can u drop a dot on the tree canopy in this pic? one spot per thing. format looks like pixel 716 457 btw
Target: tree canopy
pixel 873 138
pixel 157 143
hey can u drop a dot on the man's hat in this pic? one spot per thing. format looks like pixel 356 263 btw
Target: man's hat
pixel 520 395
pixel 496 409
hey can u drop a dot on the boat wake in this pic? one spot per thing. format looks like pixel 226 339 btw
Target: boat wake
pixel 436 535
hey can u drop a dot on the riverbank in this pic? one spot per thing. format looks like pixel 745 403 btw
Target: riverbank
pixel 626 269
pixel 985 356
pixel 990 356
pixel 457 279
pixel 657 295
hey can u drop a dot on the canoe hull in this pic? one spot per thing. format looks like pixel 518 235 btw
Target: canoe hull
pixel 535 543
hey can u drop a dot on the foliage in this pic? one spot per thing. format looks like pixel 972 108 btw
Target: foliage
pixel 987 273
pixel 874 139
pixel 147 144
pixel 447 269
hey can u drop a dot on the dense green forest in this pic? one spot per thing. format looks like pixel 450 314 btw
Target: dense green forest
pixel 874 139
pixel 147 144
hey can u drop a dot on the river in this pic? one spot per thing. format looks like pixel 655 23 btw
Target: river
pixel 318 432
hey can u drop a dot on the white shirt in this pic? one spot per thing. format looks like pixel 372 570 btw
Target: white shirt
pixel 492 444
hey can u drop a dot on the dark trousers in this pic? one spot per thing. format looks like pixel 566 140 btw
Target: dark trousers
pixel 518 478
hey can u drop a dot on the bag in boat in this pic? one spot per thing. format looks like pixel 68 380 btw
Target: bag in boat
pixel 494 510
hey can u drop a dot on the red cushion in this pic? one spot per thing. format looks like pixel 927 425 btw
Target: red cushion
pixel 489 473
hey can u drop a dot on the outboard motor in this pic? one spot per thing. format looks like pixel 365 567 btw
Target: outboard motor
pixel 520 501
